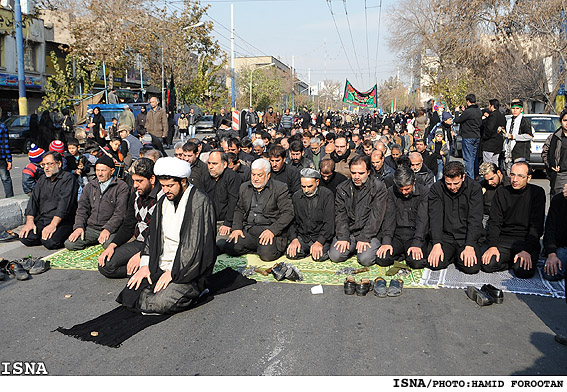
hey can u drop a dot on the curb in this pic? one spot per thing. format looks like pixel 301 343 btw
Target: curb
pixel 12 212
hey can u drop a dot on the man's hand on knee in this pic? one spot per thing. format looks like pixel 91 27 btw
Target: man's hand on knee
pixel 468 256
pixel 342 246
pixel 415 252
pixel 78 232
pixel 266 237
pixel 382 252
pixel 492 251
pixel 235 235
pixel 133 264
pixel 525 260
pixel 104 236
pixel 27 228
pixel 138 277
pixel 552 264
pixel 361 246
pixel 163 281
pixel 293 248
pixel 106 255
pixel 436 255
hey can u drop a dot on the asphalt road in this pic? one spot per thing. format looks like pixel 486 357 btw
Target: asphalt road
pixel 282 329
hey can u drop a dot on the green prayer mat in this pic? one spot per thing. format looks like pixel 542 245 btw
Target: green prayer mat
pixel 313 272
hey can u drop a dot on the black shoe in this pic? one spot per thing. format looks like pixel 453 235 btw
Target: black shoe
pixel 496 294
pixel 7 235
pixel 40 266
pixel 17 270
pixel 363 287
pixel 350 285
pixel 479 296
pixel 279 271
pixel 26 262
pixel 561 339
pixel 292 273
pixel 380 289
pixel 395 289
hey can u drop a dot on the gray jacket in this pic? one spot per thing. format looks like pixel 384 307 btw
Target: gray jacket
pixel 102 211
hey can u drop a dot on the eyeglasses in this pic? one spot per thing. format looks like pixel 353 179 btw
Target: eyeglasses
pixel 42 165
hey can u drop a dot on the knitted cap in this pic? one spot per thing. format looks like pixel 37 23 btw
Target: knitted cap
pixel 35 154
pixel 57 145
pixel 445 116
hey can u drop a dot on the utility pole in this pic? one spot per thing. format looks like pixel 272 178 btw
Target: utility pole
pixel 22 101
pixel 309 83
pixel 293 83
pixel 232 56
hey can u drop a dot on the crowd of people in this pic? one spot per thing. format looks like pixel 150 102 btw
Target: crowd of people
pixel 374 189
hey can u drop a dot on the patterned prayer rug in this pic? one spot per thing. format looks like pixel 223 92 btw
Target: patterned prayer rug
pixel 86 259
pixel 506 281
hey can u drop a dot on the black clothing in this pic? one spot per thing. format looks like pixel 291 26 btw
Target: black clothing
pixel 556 225
pixel 314 216
pixel 243 172
pixel 383 174
pixel 470 121
pixel 73 162
pixel 117 266
pixel 302 164
pixel 456 216
pixel 425 177
pixel 223 192
pixel 288 175
pixel 359 211
pixel 522 149
pixel 140 123
pixel 334 181
pixel 99 124
pixel 56 196
pixel 406 214
pixel 217 119
pixel 488 192
pixel 389 161
pixel 430 161
pixel 492 140
pixel 198 170
pixel 517 216
pixel 245 157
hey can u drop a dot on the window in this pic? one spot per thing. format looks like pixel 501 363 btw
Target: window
pixel 30 63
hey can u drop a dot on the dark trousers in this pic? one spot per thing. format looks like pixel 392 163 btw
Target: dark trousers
pixel 305 250
pixel 6 179
pixel 508 250
pixel 250 244
pixel 452 254
pixel 400 244
pixel 116 266
pixel 56 241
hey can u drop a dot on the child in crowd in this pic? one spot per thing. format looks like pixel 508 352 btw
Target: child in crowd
pixel 32 171
pixel 113 151
pixel 57 145
pixel 77 163
pixel 439 150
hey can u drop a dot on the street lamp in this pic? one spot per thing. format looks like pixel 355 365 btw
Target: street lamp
pixel 262 66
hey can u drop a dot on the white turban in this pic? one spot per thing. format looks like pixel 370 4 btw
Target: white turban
pixel 173 167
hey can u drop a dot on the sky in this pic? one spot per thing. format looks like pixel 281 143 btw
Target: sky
pixel 304 28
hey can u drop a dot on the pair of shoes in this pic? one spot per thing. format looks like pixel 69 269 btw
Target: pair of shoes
pixel 17 270
pixel 34 265
pixel 395 289
pixel 487 295
pixel 561 339
pixel 288 271
pixel 361 288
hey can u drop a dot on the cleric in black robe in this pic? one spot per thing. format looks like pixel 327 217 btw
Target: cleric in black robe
pixel 179 252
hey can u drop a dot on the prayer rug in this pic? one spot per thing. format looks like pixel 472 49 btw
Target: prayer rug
pixel 319 272
pixel 86 259
pixel 505 280
pixel 113 328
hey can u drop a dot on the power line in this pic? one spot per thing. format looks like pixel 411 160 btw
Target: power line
pixel 340 38
pixel 351 39
pixel 366 31
pixel 378 38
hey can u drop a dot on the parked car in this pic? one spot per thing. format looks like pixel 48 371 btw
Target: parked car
pixel 543 125
pixel 205 124
pixel 19 133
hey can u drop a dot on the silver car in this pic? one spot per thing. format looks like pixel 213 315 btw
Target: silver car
pixel 205 124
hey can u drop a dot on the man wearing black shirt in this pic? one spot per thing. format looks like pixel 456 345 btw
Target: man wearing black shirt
pixel 330 179
pixel 314 226
pixel 515 225
pixel 379 170
pixel 493 178
pixel 555 238
pixel 198 167
pixel 122 258
pixel 50 213
pixel 221 185
pixel 283 172
pixel 237 166
pixel 405 223
pixel 423 175
pixel 428 158
pixel 455 217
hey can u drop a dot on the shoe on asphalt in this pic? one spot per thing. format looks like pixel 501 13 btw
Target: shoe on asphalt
pixel 8 235
pixel 479 296
pixel 496 294
pixel 395 289
pixel 18 271
pixel 40 266
pixel 26 262
pixel 363 287
pixel 561 339
pixel 349 285
pixel 380 289
pixel 279 271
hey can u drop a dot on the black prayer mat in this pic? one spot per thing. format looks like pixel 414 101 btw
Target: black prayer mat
pixel 113 328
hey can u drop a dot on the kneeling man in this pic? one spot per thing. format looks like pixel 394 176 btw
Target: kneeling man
pixel 314 226
pixel 405 224
pixel 179 252
pixel 360 204
pixel 455 217
pixel 262 216
pixel 515 225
